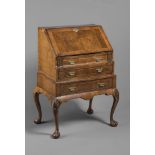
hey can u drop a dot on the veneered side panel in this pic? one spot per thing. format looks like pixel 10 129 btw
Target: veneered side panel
pixel 46 84
pixel 46 56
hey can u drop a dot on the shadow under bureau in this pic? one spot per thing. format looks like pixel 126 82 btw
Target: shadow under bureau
pixel 74 62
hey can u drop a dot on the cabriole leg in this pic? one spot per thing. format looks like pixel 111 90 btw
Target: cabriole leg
pixel 115 95
pixel 90 110
pixel 56 105
pixel 37 103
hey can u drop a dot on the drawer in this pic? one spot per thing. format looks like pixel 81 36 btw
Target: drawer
pixel 83 71
pixel 85 86
pixel 78 59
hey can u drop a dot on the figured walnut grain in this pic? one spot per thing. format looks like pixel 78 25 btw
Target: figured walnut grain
pixel 74 62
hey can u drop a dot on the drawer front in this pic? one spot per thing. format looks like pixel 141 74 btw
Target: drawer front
pixel 85 86
pixel 79 59
pixel 75 73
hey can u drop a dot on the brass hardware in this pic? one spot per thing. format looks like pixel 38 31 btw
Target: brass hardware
pixel 71 62
pixel 101 84
pixel 98 59
pixel 72 89
pixel 99 70
pixel 71 73
pixel 75 29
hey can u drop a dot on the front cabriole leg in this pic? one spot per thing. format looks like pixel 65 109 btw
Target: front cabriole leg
pixel 56 105
pixel 115 94
pixel 37 103
pixel 90 110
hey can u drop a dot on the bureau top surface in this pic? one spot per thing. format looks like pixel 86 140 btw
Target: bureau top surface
pixel 73 40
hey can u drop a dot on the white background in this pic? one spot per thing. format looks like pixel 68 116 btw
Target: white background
pixel 12 78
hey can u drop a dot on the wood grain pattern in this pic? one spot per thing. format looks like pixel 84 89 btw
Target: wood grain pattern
pixel 84 86
pixel 74 62
pixel 89 58
pixel 46 83
pixel 78 40
pixel 81 71
pixel 46 55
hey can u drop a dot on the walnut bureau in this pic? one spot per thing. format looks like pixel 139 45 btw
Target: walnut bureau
pixel 74 62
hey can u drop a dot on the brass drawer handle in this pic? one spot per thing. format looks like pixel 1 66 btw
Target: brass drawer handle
pixel 98 59
pixel 75 29
pixel 72 89
pixel 71 62
pixel 101 84
pixel 71 73
pixel 99 70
